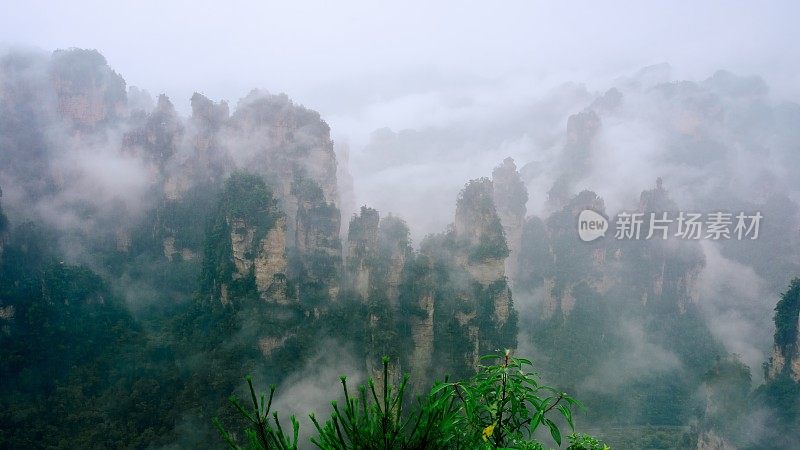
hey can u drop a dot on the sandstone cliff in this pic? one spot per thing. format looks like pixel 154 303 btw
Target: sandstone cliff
pixel 481 250
pixel 88 92
pixel 510 198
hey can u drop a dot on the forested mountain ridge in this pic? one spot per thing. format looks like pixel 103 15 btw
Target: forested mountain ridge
pixel 150 261
pixel 227 250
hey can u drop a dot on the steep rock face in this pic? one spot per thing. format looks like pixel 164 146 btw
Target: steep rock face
pixel 155 138
pixel 290 147
pixel 51 105
pixel 668 270
pixel 576 157
pixel 395 247
pixel 571 262
pixel 316 238
pixel 437 311
pixel 654 273
pixel 265 259
pixel 207 117
pixel 510 198
pixel 784 360
pixel 346 189
pixel 204 125
pixel 245 251
pixel 422 327
pixel 88 92
pixel 201 155
pixel 377 252
pixel 480 233
pixel 574 161
pixel 727 390
pixel 362 244
pixel 278 138
pixel 484 312
pixel 486 271
pixel 270 263
pixel 241 245
pixel 180 160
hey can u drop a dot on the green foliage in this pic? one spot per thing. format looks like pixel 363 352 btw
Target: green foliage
pixel 260 433
pixel 71 355
pixel 246 197
pixel 506 404
pixel 500 407
pixel 476 206
pixel 579 441
pixel 492 244
pixel 375 419
pixel 786 316
pixel 245 202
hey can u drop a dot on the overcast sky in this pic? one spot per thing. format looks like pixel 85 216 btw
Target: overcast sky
pixel 309 49
pixel 411 65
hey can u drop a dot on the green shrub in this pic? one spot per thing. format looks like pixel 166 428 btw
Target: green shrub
pixel 501 407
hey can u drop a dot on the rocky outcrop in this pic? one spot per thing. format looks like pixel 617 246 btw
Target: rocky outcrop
pixel 290 147
pixel 362 245
pixel 422 334
pixel 155 138
pixel 88 92
pixel 672 267
pixel 510 198
pixel 486 271
pixel 169 247
pixel 480 234
pixel 569 262
pixel 481 250
pixel 206 159
pixel 245 246
pixel 270 264
pixel 267 175
pixel 266 259
pixel 272 135
pixel 346 189
pixel 667 270
pixel 376 255
pixel 575 159
pixel 241 246
pixel 726 387
pixel 395 247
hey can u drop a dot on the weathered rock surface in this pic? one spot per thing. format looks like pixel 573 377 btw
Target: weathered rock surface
pixel 510 198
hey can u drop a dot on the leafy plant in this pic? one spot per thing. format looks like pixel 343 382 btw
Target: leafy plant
pixel 500 407
pixel 507 404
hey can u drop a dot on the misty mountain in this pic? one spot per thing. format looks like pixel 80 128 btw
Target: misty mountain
pixel 149 261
